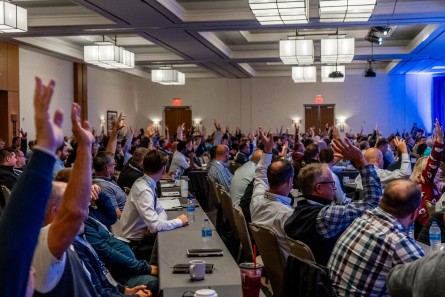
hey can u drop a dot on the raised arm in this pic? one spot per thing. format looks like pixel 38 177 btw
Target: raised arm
pixel 112 141
pixel 76 199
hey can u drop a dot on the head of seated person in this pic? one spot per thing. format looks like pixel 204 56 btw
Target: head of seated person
pixel 104 164
pixel 280 175
pixel 155 164
pixel 316 180
pixel 222 153
pixel 8 157
pixel 311 153
pixel 138 157
pixel 374 156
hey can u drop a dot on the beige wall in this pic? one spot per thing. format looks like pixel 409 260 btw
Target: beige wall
pixel 247 103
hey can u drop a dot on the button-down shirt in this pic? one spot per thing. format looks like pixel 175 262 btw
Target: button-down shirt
pixel 241 179
pixel 366 252
pixel 142 212
pixel 110 188
pixel 58 166
pixel 386 176
pixel 270 209
pixel 219 173
pixel 179 162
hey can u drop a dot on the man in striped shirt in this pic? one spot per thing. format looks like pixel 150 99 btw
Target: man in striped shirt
pixel 375 242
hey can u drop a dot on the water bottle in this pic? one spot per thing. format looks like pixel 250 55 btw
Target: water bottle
pixel 435 236
pixel 206 229
pixel 411 231
pixel 190 210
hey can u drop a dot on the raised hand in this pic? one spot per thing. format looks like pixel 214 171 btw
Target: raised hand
pixel 439 131
pixel 267 140
pixel 49 132
pixel 344 149
pixel 81 131
pixel 401 145
pixel 23 134
pixel 119 124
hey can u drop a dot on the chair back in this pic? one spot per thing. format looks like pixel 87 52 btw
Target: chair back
pixel 127 190
pixel 273 259
pixel 243 233
pixel 300 249
pixel 214 191
pixel 431 207
pixel 233 166
pixel 227 207
pixel 6 194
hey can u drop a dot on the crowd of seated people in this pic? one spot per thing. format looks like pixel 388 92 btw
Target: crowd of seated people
pixel 82 186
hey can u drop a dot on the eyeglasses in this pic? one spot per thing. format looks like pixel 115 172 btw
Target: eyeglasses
pixel 332 183
pixel 113 164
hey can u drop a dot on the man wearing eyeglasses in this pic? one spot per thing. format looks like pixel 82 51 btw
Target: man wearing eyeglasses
pixel 318 220
pixel 21 162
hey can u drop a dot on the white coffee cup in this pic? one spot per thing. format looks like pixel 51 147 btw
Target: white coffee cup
pixel 206 293
pixel 197 269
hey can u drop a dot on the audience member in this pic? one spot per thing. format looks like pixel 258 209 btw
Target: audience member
pixel 133 169
pixel 427 173
pixel 179 161
pixel 58 269
pixel 143 215
pixel 374 156
pixel 242 156
pixel 243 176
pixel 21 162
pixel 22 219
pixel 8 160
pixel 327 157
pixel 62 155
pixel 376 242
pixel 217 170
pixel 318 220
pixel 270 203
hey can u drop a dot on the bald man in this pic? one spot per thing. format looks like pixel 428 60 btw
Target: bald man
pixel 375 157
pixel 243 176
pixel 218 170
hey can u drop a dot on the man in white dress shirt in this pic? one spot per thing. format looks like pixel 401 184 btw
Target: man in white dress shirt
pixel 143 215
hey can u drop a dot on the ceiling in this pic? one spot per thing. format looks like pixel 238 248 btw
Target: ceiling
pixel 221 38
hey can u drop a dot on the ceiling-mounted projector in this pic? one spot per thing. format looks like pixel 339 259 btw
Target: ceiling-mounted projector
pixel 370 73
pixel 336 74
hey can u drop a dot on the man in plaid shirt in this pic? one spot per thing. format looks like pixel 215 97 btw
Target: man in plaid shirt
pixel 318 220
pixel 375 242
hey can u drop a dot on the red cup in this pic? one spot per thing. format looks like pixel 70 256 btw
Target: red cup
pixel 251 279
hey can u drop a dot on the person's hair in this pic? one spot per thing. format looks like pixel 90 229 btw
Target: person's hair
pixel 279 172
pixel 381 142
pixel 311 151
pixel 309 175
pixel 326 155
pixel 421 148
pixel 60 148
pixel 161 142
pixel 102 160
pixel 154 161
pixel 57 190
pixel 5 153
pixel 418 168
pixel 63 175
pixel 14 139
pixel 212 152
pixel 364 144
pixel 181 146
pixel 242 145
pixel 139 154
pixel 400 201
pixel 391 138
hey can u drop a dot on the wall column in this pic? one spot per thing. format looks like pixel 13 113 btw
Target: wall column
pixel 81 88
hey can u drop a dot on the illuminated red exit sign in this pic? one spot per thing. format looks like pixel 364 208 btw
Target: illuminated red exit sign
pixel 318 99
pixel 176 101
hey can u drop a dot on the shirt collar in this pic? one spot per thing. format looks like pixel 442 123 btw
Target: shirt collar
pixel 279 198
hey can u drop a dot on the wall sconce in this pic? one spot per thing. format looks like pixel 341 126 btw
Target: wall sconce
pixel 341 124
pixel 156 125
pixel 196 124
pixel 297 122
pixel 102 124
pixel 14 118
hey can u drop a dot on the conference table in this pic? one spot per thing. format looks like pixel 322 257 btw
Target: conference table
pixel 172 248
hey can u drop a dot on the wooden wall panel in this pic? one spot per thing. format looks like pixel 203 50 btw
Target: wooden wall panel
pixel 13 68
pixel 3 66
pixel 81 88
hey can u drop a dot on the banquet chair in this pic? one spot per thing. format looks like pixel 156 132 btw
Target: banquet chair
pixel 227 209
pixel 300 249
pixel 273 259
pixel 431 207
pixel 6 194
pixel 127 190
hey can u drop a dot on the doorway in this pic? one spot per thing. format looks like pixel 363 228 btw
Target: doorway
pixel 175 116
pixel 318 115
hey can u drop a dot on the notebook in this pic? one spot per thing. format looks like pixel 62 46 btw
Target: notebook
pixel 205 252
pixel 169 203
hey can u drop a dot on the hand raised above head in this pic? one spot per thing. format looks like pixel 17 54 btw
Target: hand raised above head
pixel 401 145
pixel 119 124
pixel 82 131
pixel 267 140
pixel 49 132
pixel 344 149
pixel 439 131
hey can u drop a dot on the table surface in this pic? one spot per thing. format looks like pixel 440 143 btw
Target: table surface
pixel 172 247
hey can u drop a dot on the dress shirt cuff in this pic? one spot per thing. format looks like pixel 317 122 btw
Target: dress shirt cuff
pixel 178 223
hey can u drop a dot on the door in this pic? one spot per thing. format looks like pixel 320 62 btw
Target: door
pixel 318 116
pixel 175 116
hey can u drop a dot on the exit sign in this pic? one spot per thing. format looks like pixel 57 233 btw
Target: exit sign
pixel 318 99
